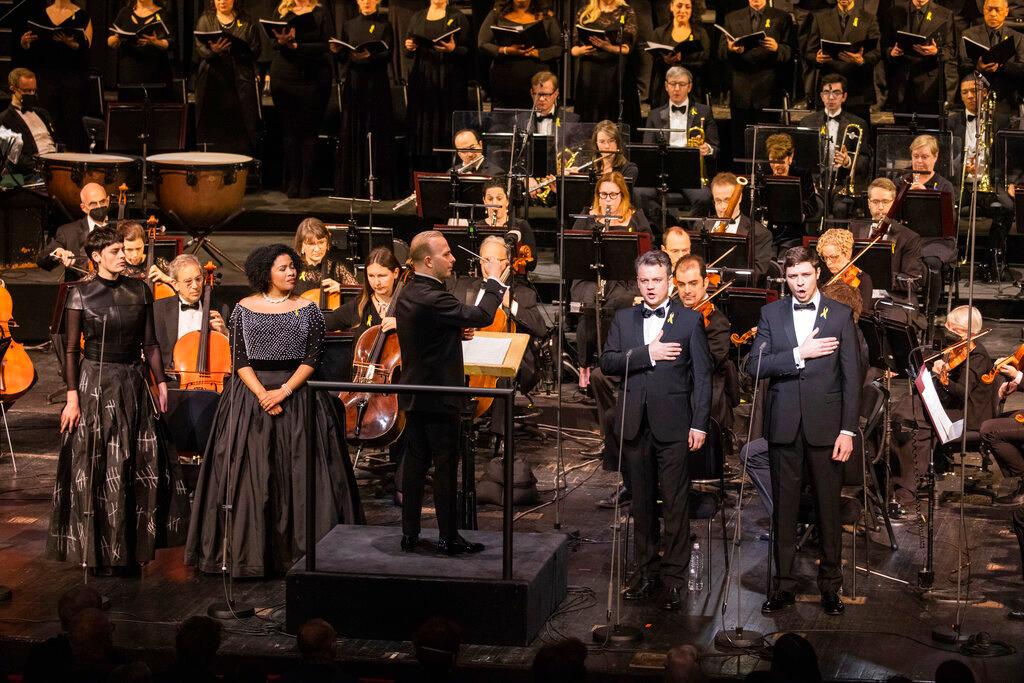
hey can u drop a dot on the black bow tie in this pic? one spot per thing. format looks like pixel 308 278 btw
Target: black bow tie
pixel 970 117
pixel 189 307
pixel 829 119
pixel 809 306
pixel 660 312
pixel 542 117
pixel 678 110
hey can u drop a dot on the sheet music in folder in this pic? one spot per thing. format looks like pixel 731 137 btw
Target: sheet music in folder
pixel 945 429
pixel 485 350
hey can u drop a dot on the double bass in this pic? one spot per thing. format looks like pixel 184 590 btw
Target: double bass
pixel 17 374
pixel 374 419
pixel 202 358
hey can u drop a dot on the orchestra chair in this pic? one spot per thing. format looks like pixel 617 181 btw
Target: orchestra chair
pixel 978 475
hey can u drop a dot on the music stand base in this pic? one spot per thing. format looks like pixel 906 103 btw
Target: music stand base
pixel 617 635
pixel 739 638
pixel 230 610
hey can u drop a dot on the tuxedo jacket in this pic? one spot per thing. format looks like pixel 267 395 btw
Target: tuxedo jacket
pixel 659 117
pixel 1007 80
pixel 12 119
pixel 928 77
pixel 860 26
pixel 528 318
pixel 165 319
pixel 906 256
pixel 430 321
pixel 864 166
pixel 676 395
pixel 758 75
pixel 70 236
pixel 823 397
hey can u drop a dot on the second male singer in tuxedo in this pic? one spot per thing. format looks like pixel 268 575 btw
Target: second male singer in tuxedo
pixel 809 352
pixel 660 350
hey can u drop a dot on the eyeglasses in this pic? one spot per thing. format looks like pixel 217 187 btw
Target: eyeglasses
pixel 543 95
pixel 191 281
pixel 832 93
pixel 609 195
pixel 678 84
pixel 879 202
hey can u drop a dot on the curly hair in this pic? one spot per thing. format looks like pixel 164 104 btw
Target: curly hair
pixel 261 260
pixel 840 238
pixel 101 238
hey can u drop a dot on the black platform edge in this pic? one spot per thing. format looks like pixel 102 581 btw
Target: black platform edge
pixel 377 594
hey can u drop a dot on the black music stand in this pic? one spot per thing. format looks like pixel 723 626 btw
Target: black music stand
pixel 435 193
pixel 579 193
pixel 366 240
pixel 665 169
pixel 23 217
pixel 929 213
pixel 468 238
pixel 145 128
pixel 715 247
pixel 744 305
pixel 783 200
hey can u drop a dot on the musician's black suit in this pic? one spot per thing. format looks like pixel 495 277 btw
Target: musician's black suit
pixel 862 171
pixel 906 255
pixel 430 321
pixel 662 402
pixel 860 26
pixel 697 114
pixel 1007 79
pixel 12 119
pixel 805 410
pixel 70 236
pixel 918 83
pixel 165 320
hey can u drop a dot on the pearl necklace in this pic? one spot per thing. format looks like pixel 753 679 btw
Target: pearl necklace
pixel 275 301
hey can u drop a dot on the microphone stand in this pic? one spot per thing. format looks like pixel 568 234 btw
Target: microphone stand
pixel 739 636
pixel 753 173
pixel 614 632
pixel 621 70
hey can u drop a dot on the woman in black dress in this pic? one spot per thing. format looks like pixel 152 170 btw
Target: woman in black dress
pixel 367 107
pixel 321 265
pixel 685 28
pixel 597 78
pixel 358 315
pixel 300 82
pixel 61 63
pixel 144 57
pixel 512 66
pixel 227 104
pixel 496 196
pixel 437 81
pixel 117 463
pixel 260 429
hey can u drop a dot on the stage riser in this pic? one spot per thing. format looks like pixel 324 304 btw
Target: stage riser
pixel 367 588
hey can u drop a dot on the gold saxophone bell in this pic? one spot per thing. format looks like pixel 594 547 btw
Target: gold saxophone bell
pixel 695 138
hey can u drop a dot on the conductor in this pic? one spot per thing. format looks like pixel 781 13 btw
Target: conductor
pixel 808 351
pixel 431 325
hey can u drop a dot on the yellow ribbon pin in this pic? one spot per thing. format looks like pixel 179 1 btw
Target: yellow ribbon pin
pixel 693 111
pixel 824 313
pixel 671 316
pixel 372 26
pixel 767 24
pixel 855 19
pixel 928 17
pixel 449 22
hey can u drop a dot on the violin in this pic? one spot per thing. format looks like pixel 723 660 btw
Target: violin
pixel 17 374
pixel 741 339
pixel 851 276
pixel 375 419
pixel 502 322
pixel 1014 360
pixel 202 358
pixel 844 274
pixel 160 290
pixel 954 355
pixel 705 307
pixel 522 259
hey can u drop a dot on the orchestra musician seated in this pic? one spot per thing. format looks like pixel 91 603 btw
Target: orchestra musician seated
pixel 676 243
pixel 176 316
pixel 1004 436
pixel 835 246
pixel 496 199
pixel 781 153
pixel 358 315
pixel 31 121
pixel 723 187
pixel 471 155
pixel 323 264
pixel 134 237
pixel 603 154
pixel 67 248
pixel 924 153
pixel 907 267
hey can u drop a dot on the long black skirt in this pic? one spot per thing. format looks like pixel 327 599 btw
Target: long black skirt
pixel 266 457
pixel 138 500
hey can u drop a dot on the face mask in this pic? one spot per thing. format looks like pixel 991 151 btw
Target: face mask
pixel 29 101
pixel 99 213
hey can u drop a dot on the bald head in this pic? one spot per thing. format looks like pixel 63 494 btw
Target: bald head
pixel 93 196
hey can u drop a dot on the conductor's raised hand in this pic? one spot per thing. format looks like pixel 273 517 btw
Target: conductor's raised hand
pixel 843 449
pixel 816 347
pixel 664 350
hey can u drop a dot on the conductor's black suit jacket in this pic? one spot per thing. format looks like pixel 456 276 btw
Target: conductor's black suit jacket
pixel 676 394
pixel 430 321
pixel 825 394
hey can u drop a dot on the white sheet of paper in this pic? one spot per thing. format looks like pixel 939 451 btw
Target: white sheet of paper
pixel 485 350
pixel 945 429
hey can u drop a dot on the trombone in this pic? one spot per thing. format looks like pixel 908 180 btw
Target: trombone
pixel 695 137
pixel 854 132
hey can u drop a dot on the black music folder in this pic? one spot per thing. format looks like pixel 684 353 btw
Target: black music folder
pixel 1000 53
pixel 907 40
pixel 207 38
pixel 153 29
pixel 833 47
pixel 749 41
pixel 684 48
pixel 300 22
pixel 374 47
pixel 423 41
pixel 584 33
pixel 527 35
pixel 53 31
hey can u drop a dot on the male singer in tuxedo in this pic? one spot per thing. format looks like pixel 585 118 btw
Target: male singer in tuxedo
pixel 660 350
pixel 920 80
pixel 67 248
pixel 808 350
pixel 176 316
pixel 431 325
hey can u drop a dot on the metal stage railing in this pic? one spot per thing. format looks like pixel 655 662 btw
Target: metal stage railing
pixel 507 394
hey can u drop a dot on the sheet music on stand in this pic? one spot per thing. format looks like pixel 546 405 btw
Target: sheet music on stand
pixel 945 429
pixel 485 350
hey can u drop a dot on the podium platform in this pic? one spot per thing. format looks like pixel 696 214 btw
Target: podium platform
pixel 367 587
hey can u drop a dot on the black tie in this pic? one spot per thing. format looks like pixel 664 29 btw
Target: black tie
pixel 843 18
pixel 542 117
pixel 809 306
pixel 189 307
pixel 660 312
pixel 993 38
pixel 918 19
pixel 755 19
pixel 678 110
pixel 970 117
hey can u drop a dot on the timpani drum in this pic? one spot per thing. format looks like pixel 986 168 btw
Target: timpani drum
pixel 67 173
pixel 201 188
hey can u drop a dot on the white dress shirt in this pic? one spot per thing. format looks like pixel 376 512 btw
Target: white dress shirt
pixel 545 126
pixel 189 320
pixel 480 296
pixel 678 121
pixel 803 325
pixel 40 133
pixel 832 129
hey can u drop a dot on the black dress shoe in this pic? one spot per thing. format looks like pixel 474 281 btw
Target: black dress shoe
pixel 778 601
pixel 832 604
pixel 458 546
pixel 1016 615
pixel 644 587
pixel 622 493
pixel 672 599
pixel 409 542
pixel 1014 499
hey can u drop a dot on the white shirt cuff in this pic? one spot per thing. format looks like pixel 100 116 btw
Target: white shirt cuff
pixel 699 431
pixel 1019 378
pixel 797 359
pixel 649 356
pixel 843 431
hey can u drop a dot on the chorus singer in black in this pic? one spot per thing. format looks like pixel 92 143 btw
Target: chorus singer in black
pixel 260 429
pixel 660 350
pixel 513 66
pixel 808 350
pixel 227 102
pixel 143 39
pixel 605 73
pixel 119 494
pixel 300 82
pixel 431 325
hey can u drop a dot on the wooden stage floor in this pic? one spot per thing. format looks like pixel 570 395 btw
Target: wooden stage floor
pixel 885 631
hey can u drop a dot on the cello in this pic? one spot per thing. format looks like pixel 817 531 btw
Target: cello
pixel 17 374
pixel 319 296
pixel 160 290
pixel 202 358
pixel 375 419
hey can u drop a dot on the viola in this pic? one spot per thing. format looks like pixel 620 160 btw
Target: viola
pixel 202 358
pixel 1014 360
pixel 160 290
pixel 705 307
pixel 375 419
pixel 954 355
pixel 741 339
pixel 17 374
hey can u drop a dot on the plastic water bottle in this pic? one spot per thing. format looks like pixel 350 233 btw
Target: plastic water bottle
pixel 696 577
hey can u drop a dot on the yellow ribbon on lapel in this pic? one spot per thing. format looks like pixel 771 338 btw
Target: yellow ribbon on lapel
pixel 372 27
pixel 824 313
pixel 671 317
pixel 855 19
pixel 928 17
pixel 767 24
